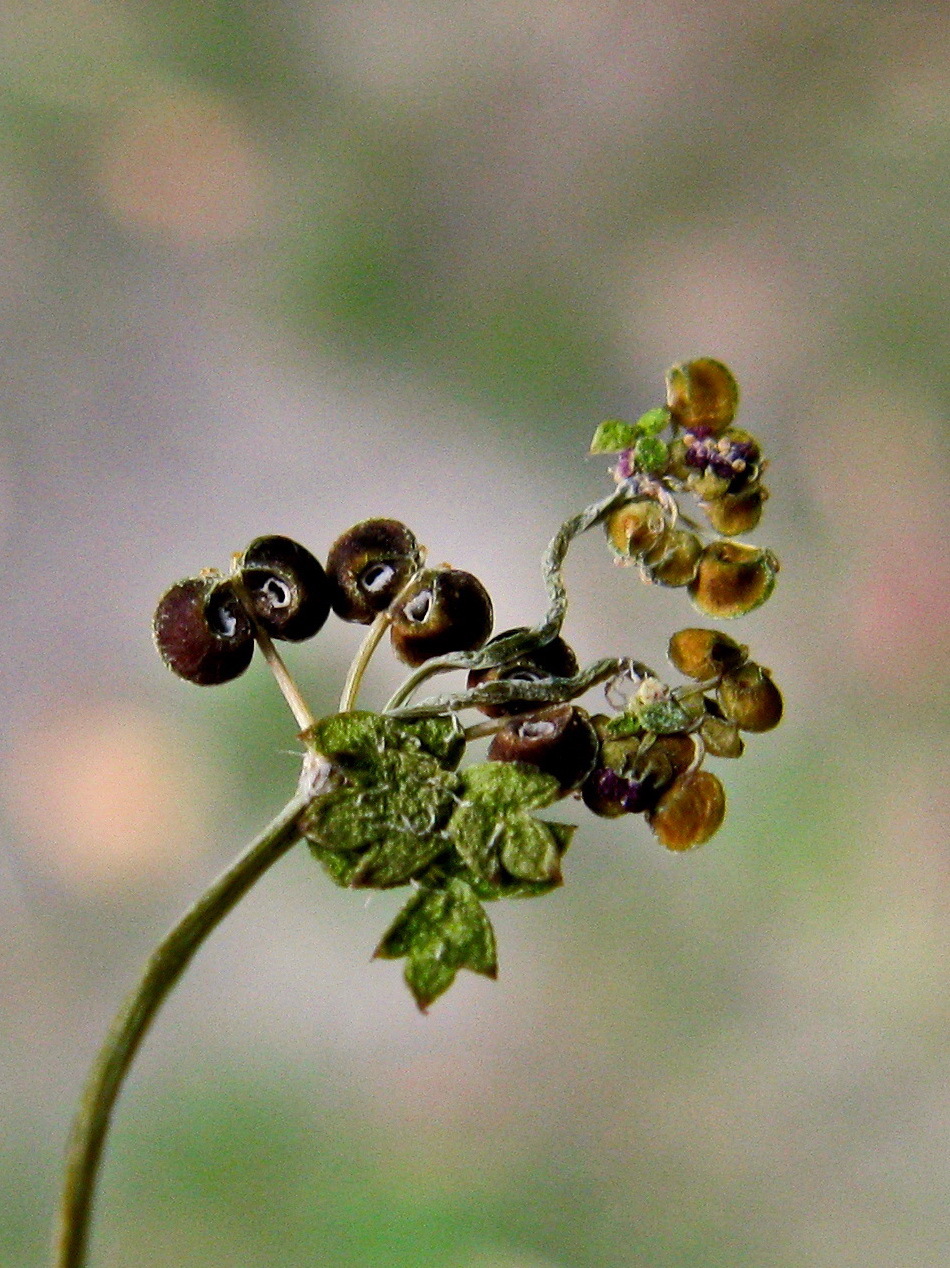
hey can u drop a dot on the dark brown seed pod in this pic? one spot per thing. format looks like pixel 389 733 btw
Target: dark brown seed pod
pixel 635 527
pixel 554 660
pixel 287 591
pixel 703 396
pixel 749 697
pixel 609 794
pixel 705 654
pixel 674 559
pixel 690 811
pixel 559 740
pixel 202 632
pixel 735 513
pixel 368 566
pixel 444 610
pixel 732 578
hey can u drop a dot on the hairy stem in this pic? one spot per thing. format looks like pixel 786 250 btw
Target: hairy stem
pixel 518 644
pixel 131 1024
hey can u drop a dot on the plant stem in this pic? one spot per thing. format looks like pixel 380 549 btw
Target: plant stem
pixel 369 644
pixel 291 692
pixel 162 971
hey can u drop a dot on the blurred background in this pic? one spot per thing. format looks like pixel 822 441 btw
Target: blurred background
pixel 276 267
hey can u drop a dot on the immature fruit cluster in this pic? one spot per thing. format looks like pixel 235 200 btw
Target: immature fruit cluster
pixel 650 756
pixel 708 458
pixel 205 626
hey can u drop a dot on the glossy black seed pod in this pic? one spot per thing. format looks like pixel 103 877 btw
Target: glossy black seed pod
pixel 287 590
pixel 444 610
pixel 367 567
pixel 202 632
pixel 560 741
pixel 554 660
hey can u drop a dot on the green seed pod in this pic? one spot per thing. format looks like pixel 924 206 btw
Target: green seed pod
pixel 690 811
pixel 559 741
pixel 735 513
pixel 705 654
pixel 444 610
pixel 554 660
pixel 720 737
pixel 702 395
pixel 732 578
pixel 674 559
pixel 749 697
pixel 707 485
pixel 635 527
pixel 202 632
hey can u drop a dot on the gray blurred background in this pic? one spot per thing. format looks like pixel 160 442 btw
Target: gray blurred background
pixel 275 267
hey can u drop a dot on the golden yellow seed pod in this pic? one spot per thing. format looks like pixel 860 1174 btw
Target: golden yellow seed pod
pixel 749 697
pixel 702 395
pixel 674 559
pixel 690 811
pixel 735 513
pixel 635 527
pixel 732 578
pixel 704 654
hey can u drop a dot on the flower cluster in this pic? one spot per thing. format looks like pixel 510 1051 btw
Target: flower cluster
pixel 389 800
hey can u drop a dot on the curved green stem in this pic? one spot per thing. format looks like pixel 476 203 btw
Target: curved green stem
pixel 501 650
pixel 165 966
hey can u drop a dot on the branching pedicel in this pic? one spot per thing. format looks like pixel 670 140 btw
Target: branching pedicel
pixel 383 799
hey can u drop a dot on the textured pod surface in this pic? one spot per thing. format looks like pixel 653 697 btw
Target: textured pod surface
pixel 202 632
pixel 702 396
pixel 736 513
pixel 444 610
pixel 732 578
pixel 635 527
pixel 554 660
pixel 368 566
pixel 750 699
pixel 703 654
pixel 690 811
pixel 560 741
pixel 674 559
pixel 286 586
pixel 721 736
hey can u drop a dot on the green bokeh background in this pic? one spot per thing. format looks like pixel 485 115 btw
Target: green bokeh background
pixel 276 267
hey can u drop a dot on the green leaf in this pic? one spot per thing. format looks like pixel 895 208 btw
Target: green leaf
pixel 530 850
pixel 494 834
pixel 440 931
pixel 653 421
pixel 397 860
pixel 362 735
pixel 622 725
pixel 385 823
pixel 613 435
